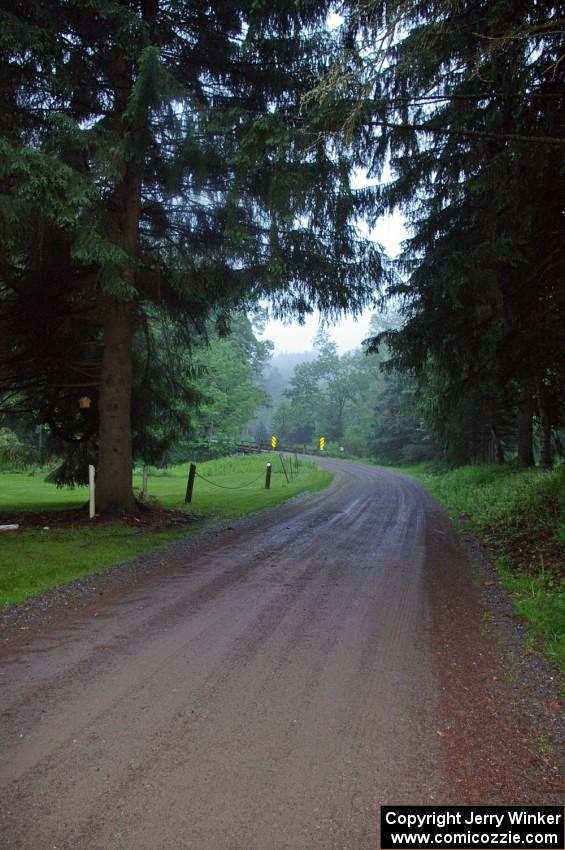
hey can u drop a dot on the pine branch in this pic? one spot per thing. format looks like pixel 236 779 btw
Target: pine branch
pixel 472 134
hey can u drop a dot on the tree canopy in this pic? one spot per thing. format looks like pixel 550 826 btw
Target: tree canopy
pixel 463 104
pixel 155 171
pixel 166 163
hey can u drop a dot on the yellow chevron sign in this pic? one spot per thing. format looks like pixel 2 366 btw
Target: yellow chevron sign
pixel 274 442
pixel 322 443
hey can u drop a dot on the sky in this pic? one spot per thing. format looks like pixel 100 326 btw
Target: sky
pixel 348 333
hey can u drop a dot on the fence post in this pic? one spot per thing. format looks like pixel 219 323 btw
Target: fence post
pixel 190 485
pixel 284 468
pixel 91 497
pixel 268 477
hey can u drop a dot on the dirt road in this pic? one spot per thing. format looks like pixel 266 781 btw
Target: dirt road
pixel 268 688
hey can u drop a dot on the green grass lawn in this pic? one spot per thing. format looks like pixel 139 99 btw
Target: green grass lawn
pixel 233 487
pixel 28 491
pixel 34 560
pixel 519 515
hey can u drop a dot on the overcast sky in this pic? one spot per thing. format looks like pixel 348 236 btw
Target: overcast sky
pixel 349 333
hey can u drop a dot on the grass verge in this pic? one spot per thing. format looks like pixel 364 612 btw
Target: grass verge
pixel 519 515
pixel 34 560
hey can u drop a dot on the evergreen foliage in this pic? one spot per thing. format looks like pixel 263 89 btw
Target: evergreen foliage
pixel 154 161
pixel 464 103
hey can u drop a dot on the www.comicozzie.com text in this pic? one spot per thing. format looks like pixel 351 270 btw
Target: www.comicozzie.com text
pixel 499 834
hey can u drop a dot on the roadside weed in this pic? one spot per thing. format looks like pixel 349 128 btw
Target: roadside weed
pixel 545 745
pixel 519 515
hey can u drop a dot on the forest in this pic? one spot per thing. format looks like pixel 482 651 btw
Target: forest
pixel 173 172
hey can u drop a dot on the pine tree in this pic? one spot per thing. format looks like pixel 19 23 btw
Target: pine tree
pixel 160 145
pixel 464 102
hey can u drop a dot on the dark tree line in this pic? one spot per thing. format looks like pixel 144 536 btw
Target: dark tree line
pixel 464 103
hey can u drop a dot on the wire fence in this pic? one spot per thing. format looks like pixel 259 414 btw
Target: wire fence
pixel 193 474
pixel 225 486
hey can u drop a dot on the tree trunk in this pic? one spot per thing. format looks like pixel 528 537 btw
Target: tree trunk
pixel 497 450
pixel 545 426
pixel 114 493
pixel 558 444
pixel 525 437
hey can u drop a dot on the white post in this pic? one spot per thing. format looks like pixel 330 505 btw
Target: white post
pixel 91 509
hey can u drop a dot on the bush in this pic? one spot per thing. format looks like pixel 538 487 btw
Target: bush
pixel 15 455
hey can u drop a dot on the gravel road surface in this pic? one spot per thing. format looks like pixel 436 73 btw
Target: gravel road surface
pixel 267 687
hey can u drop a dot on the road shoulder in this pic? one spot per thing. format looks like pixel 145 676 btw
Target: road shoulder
pixel 493 691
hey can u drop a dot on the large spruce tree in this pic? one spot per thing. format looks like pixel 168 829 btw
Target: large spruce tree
pixel 465 103
pixel 153 153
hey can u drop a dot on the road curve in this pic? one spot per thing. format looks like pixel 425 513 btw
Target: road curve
pixel 267 689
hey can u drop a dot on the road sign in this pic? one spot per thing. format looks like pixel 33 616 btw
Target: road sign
pixel 322 443
pixel 274 442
